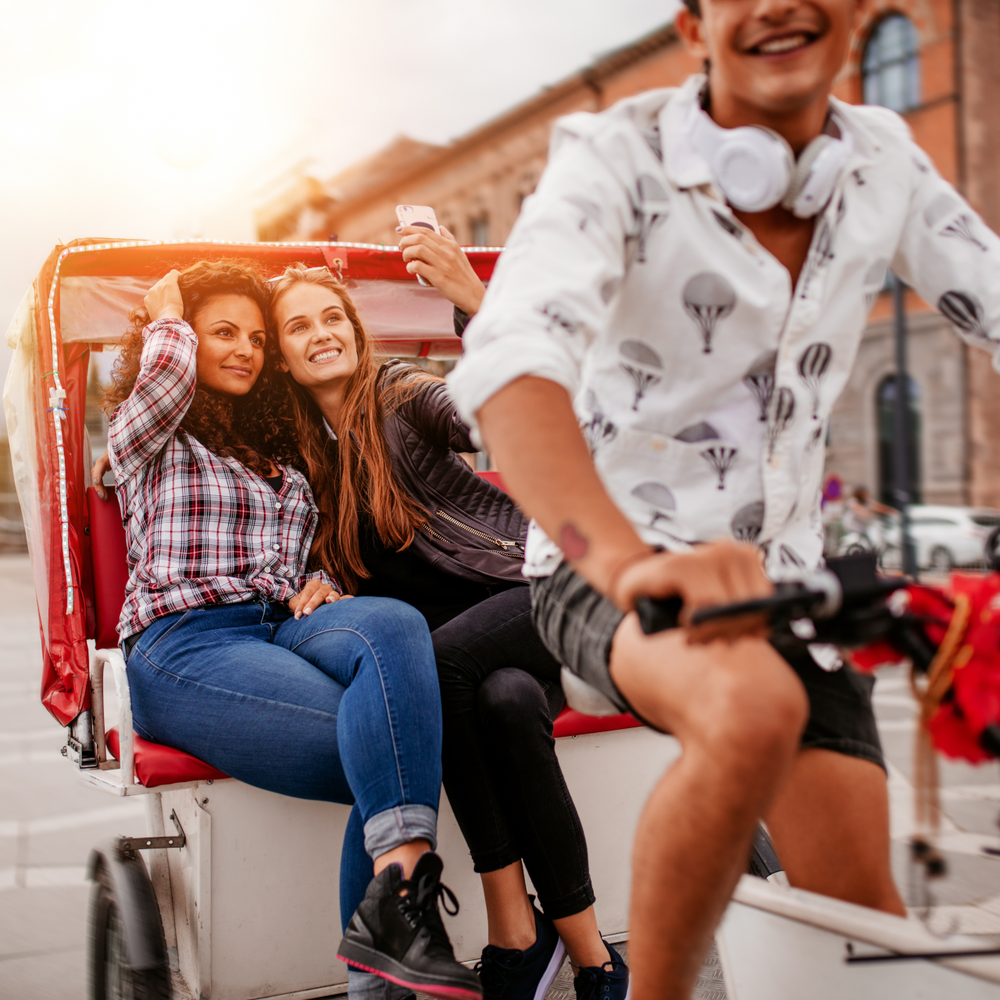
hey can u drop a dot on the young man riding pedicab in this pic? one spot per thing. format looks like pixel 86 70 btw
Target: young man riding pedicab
pixel 654 367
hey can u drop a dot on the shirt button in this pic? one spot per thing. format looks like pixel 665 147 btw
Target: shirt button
pixel 277 506
pixel 277 548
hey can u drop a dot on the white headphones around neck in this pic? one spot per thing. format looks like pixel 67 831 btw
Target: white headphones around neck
pixel 756 169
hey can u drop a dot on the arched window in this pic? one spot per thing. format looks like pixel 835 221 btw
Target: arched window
pixel 891 67
pixel 886 404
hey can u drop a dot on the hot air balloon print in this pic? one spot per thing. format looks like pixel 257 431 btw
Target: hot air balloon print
pixel 649 190
pixel 590 211
pixel 813 364
pixel 784 410
pixel 599 428
pixel 708 298
pixel 721 457
pixel 759 379
pixel 940 208
pixel 643 365
pixel 659 498
pixel 561 316
pixel 698 432
pixel 789 557
pixel 965 311
pixel 748 521
pixel 961 228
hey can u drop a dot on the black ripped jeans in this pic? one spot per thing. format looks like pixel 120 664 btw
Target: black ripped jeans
pixel 500 693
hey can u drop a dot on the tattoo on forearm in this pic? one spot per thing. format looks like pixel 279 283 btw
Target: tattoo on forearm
pixel 573 544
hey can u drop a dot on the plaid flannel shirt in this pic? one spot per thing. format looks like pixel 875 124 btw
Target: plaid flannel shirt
pixel 201 529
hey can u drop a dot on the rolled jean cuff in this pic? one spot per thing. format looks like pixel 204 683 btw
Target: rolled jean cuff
pixel 394 827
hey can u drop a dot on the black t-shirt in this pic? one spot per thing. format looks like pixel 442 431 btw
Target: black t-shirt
pixel 435 593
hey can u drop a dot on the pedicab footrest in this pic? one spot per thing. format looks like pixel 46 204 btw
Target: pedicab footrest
pixel 570 722
pixel 156 764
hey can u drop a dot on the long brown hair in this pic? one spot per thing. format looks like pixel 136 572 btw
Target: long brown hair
pixel 362 479
pixel 223 424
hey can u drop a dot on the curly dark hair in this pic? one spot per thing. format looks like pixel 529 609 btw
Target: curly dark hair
pixel 694 6
pixel 226 425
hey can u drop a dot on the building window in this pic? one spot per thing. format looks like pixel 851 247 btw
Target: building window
pixel 891 66
pixel 886 406
pixel 480 231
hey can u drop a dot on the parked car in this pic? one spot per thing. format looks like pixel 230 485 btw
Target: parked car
pixel 945 537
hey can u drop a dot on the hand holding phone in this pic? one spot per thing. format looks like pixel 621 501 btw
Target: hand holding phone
pixel 418 215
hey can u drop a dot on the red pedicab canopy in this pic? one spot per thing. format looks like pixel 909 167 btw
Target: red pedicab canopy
pixel 78 304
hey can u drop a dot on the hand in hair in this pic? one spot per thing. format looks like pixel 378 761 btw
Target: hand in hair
pixel 439 260
pixel 164 299
pixel 312 595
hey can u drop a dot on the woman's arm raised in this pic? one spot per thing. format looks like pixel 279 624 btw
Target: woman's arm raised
pixel 163 391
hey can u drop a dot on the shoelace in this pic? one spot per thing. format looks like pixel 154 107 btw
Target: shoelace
pixel 421 904
pixel 590 984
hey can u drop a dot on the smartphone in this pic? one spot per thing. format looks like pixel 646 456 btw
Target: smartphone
pixel 418 215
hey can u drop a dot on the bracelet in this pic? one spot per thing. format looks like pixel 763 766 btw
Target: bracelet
pixel 624 565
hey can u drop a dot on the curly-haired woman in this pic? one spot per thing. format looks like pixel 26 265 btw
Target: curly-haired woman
pixel 404 516
pixel 235 652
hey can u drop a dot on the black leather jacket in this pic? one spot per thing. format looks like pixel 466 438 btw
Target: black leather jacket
pixel 476 532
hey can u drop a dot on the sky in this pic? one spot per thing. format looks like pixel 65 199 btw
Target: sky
pixel 168 120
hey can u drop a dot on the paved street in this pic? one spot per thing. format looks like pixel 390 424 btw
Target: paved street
pixel 49 820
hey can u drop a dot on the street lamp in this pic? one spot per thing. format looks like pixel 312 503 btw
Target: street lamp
pixel 902 481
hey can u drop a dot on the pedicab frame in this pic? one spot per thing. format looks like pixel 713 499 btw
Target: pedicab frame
pixel 236 897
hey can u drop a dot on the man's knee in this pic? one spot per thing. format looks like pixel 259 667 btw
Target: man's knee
pixel 753 717
pixel 740 699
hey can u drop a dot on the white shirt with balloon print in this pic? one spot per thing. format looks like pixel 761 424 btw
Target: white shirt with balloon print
pixel 702 380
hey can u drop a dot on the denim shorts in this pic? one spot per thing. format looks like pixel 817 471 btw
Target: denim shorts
pixel 578 625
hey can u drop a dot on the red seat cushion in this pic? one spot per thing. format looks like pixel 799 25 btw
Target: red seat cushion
pixel 109 557
pixel 156 764
pixel 574 723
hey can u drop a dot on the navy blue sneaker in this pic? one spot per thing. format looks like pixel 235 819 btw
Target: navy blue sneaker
pixel 604 982
pixel 509 974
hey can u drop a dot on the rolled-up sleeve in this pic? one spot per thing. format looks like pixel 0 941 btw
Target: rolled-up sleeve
pixel 159 400
pixel 550 293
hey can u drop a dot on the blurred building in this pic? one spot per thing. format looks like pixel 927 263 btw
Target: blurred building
pixel 935 61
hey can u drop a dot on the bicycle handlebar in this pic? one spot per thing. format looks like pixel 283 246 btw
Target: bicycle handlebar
pixel 846 602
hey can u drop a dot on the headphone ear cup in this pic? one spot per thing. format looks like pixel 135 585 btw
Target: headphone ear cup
pixel 803 169
pixel 752 165
pixel 815 175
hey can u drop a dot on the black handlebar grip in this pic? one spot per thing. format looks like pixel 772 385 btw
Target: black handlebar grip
pixel 658 614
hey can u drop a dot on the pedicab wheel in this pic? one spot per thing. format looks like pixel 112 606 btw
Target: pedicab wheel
pixel 111 975
pixel 763 857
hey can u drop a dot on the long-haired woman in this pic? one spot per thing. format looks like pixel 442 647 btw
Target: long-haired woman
pixel 403 515
pixel 240 655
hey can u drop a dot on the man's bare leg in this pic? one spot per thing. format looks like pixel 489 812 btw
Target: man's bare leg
pixel 738 710
pixel 830 826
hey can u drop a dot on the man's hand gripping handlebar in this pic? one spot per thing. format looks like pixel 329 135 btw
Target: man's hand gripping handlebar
pixel 687 584
pixel 846 604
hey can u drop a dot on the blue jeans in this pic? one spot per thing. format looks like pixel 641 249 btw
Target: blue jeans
pixel 341 706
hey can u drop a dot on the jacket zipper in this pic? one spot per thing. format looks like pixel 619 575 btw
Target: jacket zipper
pixel 504 545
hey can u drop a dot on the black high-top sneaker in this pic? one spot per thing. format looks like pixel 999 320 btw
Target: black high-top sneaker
pixel 401 937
